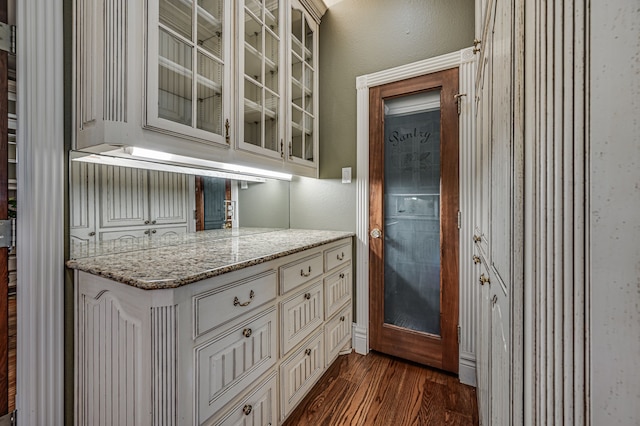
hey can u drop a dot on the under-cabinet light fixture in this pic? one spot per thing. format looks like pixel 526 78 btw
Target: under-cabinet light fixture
pixel 162 167
pixel 208 164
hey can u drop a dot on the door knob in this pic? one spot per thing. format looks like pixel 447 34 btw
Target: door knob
pixel 375 233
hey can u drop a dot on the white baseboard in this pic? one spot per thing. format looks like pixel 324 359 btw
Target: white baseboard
pixel 467 370
pixel 360 343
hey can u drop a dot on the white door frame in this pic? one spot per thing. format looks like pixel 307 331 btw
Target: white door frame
pixel 465 60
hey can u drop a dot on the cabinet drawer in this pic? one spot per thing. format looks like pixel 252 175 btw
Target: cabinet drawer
pixel 300 272
pixel 338 256
pixel 300 372
pixel 216 307
pixel 259 408
pixel 337 291
pixel 337 333
pixel 300 315
pixel 233 361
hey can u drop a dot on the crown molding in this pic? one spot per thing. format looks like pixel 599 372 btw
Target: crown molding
pixel 316 8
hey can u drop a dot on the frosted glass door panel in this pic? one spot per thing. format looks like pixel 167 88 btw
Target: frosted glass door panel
pixel 412 212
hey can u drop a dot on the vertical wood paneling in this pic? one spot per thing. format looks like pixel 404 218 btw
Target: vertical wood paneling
pixel 40 189
pixel 163 368
pixel 555 283
pixel 115 60
pixel 108 345
pixel 168 197
pixel 86 61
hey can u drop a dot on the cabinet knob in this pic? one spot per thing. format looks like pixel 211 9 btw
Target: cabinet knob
pixel 307 351
pixel 305 274
pixel 153 231
pixel 146 232
pixel 340 256
pixel 247 409
pixel 307 296
pixel 476 259
pixel 342 275
pixel 476 239
pixel 484 279
pixel 146 222
pixel 92 234
pixel 153 222
pixel 375 233
pixel 342 318
pixel 247 332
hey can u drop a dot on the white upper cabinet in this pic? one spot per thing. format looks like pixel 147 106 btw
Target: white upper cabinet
pixel 189 68
pixel 303 107
pixel 260 77
pixel 222 80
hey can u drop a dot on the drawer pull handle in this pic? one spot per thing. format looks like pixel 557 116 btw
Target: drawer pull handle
pixel 307 351
pixel 236 301
pixel 340 256
pixel 341 275
pixel 247 332
pixel 342 318
pixel 305 274
pixel 247 409
pixel 307 296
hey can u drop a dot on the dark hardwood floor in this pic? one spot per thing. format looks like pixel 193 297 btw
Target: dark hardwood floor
pixel 381 390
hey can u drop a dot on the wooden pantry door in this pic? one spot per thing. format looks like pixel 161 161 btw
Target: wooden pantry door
pixel 413 244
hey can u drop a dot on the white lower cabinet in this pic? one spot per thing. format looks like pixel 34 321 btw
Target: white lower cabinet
pixel 234 361
pixel 228 350
pixel 337 333
pixel 300 371
pixel 300 315
pixel 259 408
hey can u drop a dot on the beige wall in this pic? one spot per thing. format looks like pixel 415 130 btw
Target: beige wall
pixel 360 37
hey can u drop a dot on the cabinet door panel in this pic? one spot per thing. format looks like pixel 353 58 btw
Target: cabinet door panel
pixel 168 197
pixel 260 408
pixel 300 315
pixel 124 198
pixel 300 372
pixel 233 361
pixel 337 333
pixel 82 221
pixel 337 291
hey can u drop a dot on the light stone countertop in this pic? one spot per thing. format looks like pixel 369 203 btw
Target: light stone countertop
pixel 198 256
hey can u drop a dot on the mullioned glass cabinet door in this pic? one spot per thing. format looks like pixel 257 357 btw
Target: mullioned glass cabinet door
pixel 260 78
pixel 189 68
pixel 303 87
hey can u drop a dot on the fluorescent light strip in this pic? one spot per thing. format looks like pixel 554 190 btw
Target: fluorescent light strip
pixel 163 167
pixel 192 161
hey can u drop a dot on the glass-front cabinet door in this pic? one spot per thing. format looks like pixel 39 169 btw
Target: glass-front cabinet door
pixel 189 68
pixel 303 87
pixel 260 80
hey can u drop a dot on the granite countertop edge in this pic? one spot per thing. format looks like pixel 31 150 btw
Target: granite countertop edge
pixel 189 278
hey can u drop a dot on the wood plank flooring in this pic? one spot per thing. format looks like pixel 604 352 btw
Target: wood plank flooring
pixel 377 389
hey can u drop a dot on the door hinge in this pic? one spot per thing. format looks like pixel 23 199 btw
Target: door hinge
pixel 458 100
pixel 6 233
pixel 10 419
pixel 8 38
pixel 459 331
pixel 459 219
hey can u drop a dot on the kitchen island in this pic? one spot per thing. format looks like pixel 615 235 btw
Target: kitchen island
pixel 215 327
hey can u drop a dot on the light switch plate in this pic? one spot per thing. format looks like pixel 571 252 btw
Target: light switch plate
pixel 346 175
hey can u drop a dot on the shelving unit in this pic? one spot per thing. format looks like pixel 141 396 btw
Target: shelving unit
pixel 261 90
